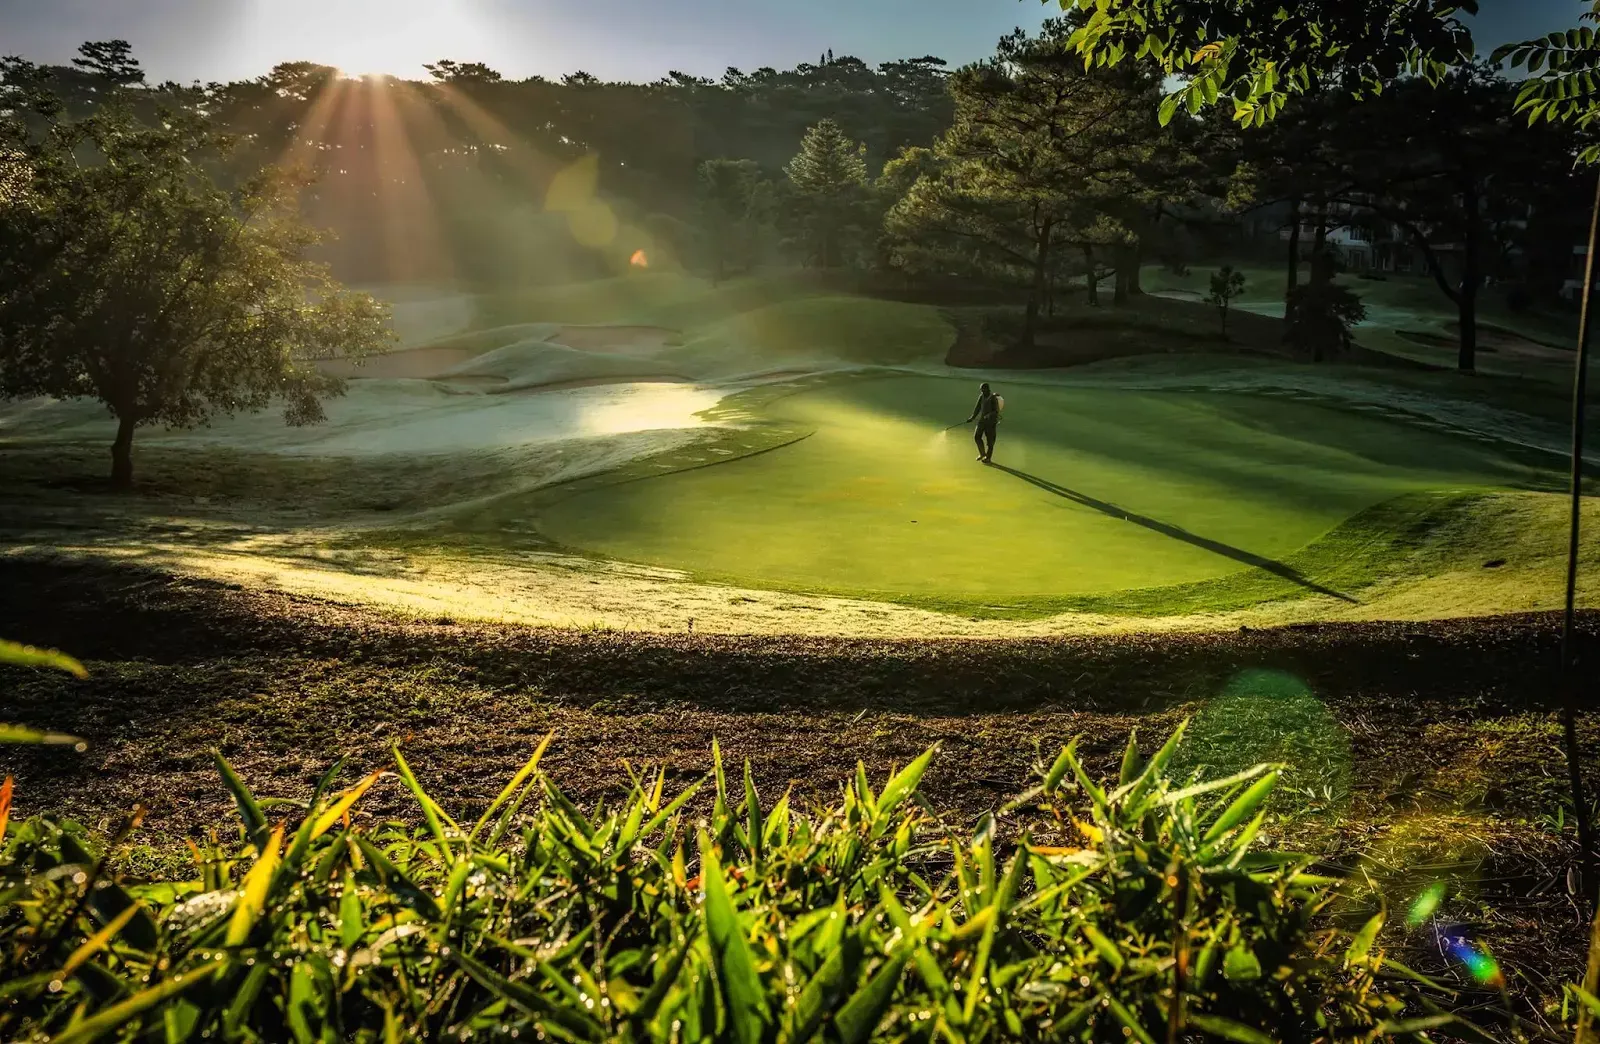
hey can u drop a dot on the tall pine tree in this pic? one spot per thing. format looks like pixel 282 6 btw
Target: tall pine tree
pixel 829 176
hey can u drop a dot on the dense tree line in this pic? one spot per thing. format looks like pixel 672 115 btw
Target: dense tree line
pixel 449 177
pixel 1031 173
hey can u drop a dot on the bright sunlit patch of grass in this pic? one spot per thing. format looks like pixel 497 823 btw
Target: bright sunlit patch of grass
pixel 1111 493
pixel 1264 716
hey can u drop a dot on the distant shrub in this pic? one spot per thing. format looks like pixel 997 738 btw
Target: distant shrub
pixel 1519 298
pixel 1160 918
pixel 1321 315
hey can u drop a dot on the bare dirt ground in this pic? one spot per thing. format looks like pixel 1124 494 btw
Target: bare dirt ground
pixel 1454 753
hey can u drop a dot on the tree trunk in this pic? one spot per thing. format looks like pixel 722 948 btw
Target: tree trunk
pixel 1319 246
pixel 1467 311
pixel 1467 300
pixel 1041 281
pixel 1127 273
pixel 1089 275
pixel 122 455
pixel 1294 256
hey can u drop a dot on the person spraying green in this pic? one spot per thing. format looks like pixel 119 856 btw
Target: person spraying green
pixel 987 414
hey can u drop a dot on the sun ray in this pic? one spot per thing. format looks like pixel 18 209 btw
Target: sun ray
pixel 310 136
pixel 414 244
pixel 592 222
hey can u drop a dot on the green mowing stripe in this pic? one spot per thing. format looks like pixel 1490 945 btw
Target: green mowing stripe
pixel 1373 546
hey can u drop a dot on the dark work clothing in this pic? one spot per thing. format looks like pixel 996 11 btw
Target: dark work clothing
pixel 984 436
pixel 987 414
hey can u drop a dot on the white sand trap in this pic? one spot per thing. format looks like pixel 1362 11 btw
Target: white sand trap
pixel 397 417
pixel 522 356
pixel 637 340
pixel 406 364
pixel 410 417
pixel 540 363
pixel 473 423
pixel 1514 345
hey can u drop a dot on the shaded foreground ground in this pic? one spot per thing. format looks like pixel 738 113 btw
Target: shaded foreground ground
pixel 1437 759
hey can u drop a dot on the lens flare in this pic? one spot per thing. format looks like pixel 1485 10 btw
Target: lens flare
pixel 1426 904
pixel 1481 966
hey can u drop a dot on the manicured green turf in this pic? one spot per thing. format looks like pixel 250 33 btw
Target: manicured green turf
pixel 735 326
pixel 1094 492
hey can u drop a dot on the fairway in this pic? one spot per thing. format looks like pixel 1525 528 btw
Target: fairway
pixel 1093 491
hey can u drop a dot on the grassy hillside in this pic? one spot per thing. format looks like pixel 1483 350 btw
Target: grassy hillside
pixel 1409 317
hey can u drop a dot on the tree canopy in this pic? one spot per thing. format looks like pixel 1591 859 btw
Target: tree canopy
pixel 132 274
pixel 1044 156
pixel 1256 53
pixel 829 179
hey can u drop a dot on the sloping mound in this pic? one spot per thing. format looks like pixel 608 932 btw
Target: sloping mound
pixel 666 299
pixel 539 363
pixel 850 329
pixel 477 342
pixel 426 318
pixel 636 340
pixel 406 364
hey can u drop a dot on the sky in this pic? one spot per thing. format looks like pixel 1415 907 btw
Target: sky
pixel 209 40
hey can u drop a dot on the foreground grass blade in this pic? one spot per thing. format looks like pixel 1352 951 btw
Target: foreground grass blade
pixel 1227 1029
pixel 430 813
pixel 33 737
pixel 795 927
pixel 527 998
pixel 511 788
pixel 335 812
pixel 1126 1017
pixel 1153 769
pixel 859 1018
pixel 904 782
pixel 392 876
pixel 98 940
pixel 20 655
pixel 104 1022
pixel 731 958
pixel 822 991
pixel 752 802
pixel 1243 807
pixel 255 820
pixel 253 891
pixel 650 1003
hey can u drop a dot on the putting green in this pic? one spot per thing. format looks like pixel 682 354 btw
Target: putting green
pixel 1093 491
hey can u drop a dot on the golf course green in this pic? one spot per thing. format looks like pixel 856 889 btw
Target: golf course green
pixel 1092 491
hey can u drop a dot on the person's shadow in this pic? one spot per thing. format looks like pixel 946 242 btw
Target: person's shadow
pixel 1276 568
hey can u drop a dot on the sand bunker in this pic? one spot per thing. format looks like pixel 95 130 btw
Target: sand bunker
pixel 637 340
pixel 405 417
pixel 406 364
pixel 519 357
pixel 477 423
pixel 1498 339
pixel 543 363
